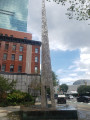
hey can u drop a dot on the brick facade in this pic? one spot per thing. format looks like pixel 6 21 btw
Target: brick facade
pixel 11 56
pixel 33 63
pixel 16 34
pixel 11 52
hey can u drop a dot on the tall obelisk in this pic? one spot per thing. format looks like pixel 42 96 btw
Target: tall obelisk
pixel 46 72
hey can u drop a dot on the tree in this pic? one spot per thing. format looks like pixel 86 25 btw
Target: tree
pixel 5 86
pixel 64 87
pixel 55 79
pixel 83 89
pixel 78 9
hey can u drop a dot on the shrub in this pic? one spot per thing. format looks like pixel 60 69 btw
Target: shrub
pixel 5 86
pixel 18 98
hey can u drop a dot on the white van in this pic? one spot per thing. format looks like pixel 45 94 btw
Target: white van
pixel 61 99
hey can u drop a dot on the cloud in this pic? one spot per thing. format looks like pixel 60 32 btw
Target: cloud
pixel 34 18
pixel 73 75
pixel 60 71
pixel 83 64
pixel 70 34
pixel 80 69
pixel 64 34
pixel 71 67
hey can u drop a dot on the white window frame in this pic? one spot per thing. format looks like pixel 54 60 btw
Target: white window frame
pixel 36 50
pixel 36 58
pixel 20 57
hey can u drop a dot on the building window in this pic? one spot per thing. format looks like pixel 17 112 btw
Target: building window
pixel 25 38
pixel 20 57
pixel 11 68
pixel 11 35
pixel 21 48
pixel 36 50
pixel 36 59
pixel 1 34
pixel 19 68
pixel 3 68
pixel 4 56
pixel 36 69
pixel 6 46
pixel 14 47
pixel 13 57
pixel 6 35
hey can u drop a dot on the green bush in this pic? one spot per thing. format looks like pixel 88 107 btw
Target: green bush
pixel 18 98
pixel 5 86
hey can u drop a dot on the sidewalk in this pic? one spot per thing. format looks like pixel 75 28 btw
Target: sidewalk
pixel 5 110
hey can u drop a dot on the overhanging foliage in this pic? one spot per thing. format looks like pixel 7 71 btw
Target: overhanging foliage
pixel 78 9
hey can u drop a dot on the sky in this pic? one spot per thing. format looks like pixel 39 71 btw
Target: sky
pixel 69 40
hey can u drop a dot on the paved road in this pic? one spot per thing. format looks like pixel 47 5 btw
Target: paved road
pixel 83 109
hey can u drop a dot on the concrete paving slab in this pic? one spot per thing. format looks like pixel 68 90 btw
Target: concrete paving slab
pixel 5 110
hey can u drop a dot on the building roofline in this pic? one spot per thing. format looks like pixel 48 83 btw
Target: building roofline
pixel 16 31
pixel 19 40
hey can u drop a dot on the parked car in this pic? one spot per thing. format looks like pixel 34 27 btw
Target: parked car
pixel 70 97
pixel 61 99
pixel 83 99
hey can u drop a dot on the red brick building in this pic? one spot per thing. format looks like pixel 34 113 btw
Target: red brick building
pixel 18 52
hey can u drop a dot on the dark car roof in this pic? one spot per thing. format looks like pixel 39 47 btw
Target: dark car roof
pixel 84 96
pixel 87 96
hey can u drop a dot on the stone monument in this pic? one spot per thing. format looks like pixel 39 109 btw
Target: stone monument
pixel 46 72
